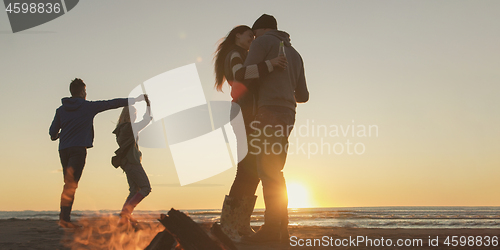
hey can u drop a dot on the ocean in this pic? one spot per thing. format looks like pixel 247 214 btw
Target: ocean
pixel 349 217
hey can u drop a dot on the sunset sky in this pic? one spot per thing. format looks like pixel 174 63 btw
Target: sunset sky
pixel 425 74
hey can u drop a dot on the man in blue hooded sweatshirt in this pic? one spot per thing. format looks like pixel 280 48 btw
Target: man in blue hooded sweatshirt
pixel 73 125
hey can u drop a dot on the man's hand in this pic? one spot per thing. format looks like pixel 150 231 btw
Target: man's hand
pixel 279 62
pixel 55 138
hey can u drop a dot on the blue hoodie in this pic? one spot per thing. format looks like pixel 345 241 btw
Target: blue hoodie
pixel 75 119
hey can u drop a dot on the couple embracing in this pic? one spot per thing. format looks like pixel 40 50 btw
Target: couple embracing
pixel 267 84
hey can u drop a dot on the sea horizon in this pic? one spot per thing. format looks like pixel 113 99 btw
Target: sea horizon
pixel 390 217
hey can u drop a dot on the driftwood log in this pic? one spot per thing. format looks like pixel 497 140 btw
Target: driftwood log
pixel 217 232
pixel 181 229
pixel 162 241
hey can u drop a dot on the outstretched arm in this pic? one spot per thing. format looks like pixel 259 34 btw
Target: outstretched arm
pixel 100 106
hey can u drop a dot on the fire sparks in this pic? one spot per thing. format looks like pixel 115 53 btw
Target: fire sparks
pixel 103 233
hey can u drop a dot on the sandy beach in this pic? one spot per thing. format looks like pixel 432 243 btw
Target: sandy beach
pixel 98 234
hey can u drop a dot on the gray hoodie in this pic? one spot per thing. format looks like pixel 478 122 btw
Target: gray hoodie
pixel 282 87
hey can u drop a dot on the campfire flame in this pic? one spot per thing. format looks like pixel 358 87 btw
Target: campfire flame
pixel 102 232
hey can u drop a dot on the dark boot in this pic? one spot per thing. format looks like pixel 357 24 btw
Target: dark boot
pixel 65 218
pixel 65 213
pixel 271 230
pixel 285 236
pixel 276 214
pixel 266 234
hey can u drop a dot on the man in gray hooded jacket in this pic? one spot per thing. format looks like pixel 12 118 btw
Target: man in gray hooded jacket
pixel 278 96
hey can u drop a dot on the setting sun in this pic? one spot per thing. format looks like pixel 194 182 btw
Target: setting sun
pixel 298 196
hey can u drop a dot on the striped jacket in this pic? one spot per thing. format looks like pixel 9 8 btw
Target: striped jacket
pixel 236 73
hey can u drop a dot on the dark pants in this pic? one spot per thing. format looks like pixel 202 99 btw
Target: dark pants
pixel 270 145
pixel 137 179
pixel 73 161
pixel 246 180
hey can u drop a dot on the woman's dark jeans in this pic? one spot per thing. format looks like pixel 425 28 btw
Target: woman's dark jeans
pixel 246 180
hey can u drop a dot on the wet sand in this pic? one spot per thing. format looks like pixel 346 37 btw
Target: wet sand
pixel 97 234
pixel 30 234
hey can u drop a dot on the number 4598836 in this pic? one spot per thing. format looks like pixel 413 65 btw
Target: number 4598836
pixel 33 8
pixel 471 241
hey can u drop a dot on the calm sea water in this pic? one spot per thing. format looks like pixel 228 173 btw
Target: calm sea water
pixel 355 217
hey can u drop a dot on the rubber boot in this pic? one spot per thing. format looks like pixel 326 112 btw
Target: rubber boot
pixel 229 218
pixel 246 206
pixel 132 220
pixel 128 208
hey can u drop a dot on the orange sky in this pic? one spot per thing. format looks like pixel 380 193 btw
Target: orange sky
pixel 425 73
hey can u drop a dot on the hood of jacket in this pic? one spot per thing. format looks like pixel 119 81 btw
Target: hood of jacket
pixel 71 104
pixel 283 36
pixel 124 126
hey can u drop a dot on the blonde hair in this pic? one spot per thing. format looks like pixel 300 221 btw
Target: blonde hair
pixel 125 115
